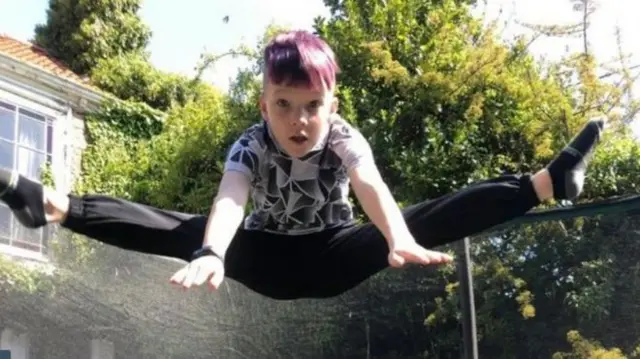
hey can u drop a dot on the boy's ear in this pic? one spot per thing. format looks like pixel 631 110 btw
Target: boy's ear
pixel 263 107
pixel 334 105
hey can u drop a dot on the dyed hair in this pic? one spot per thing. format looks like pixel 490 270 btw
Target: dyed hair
pixel 300 58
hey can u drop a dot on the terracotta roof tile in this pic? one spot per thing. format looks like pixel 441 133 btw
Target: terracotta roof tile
pixel 35 55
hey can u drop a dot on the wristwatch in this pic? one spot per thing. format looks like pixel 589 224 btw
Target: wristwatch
pixel 205 251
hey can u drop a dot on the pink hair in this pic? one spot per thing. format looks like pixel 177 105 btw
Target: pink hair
pixel 300 58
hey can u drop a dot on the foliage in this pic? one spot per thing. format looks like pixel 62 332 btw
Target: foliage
pixel 81 33
pixel 585 349
pixel 144 157
pixel 446 89
pixel 21 278
pixel 444 103
pixel 132 77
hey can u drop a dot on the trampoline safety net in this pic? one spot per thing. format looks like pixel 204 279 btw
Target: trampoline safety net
pixel 560 284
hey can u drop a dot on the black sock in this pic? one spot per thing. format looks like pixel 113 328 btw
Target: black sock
pixel 24 197
pixel 567 171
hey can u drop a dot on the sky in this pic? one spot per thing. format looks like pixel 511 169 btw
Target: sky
pixel 184 29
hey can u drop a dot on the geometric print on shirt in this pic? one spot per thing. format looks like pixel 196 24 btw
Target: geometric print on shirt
pixel 298 196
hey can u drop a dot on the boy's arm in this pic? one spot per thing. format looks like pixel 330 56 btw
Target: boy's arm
pixel 227 211
pixel 370 189
pixel 378 203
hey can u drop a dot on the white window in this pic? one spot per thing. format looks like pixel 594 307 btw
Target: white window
pixel 26 143
pixel 17 343
pixel 102 349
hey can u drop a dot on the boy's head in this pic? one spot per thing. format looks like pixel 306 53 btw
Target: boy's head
pixel 298 97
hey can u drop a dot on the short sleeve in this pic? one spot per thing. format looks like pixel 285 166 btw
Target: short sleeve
pixel 352 148
pixel 244 156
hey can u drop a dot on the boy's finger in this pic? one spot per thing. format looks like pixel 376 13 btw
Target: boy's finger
pixel 201 277
pixel 445 257
pixel 190 277
pixel 216 279
pixel 396 261
pixel 178 276
pixel 416 255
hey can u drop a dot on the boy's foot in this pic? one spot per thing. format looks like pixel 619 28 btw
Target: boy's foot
pixel 567 171
pixel 24 197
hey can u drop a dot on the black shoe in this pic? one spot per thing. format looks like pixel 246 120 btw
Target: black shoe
pixel 24 197
pixel 568 169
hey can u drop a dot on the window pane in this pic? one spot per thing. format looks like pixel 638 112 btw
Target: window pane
pixel 31 133
pixel 5 224
pixel 26 238
pixel 7 106
pixel 7 124
pixel 33 115
pixel 30 162
pixel 47 232
pixel 6 154
pixel 49 138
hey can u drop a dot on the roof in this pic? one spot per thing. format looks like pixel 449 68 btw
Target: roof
pixel 37 56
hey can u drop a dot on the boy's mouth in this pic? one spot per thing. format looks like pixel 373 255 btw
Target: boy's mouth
pixel 299 139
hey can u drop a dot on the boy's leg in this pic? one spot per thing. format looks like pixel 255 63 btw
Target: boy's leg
pixel 133 226
pixel 110 220
pixel 357 253
pixel 260 261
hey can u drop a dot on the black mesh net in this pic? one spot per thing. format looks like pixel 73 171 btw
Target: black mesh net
pixel 553 288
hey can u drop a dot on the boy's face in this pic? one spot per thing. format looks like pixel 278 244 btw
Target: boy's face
pixel 298 116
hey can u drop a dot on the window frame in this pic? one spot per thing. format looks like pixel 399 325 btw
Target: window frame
pixel 12 243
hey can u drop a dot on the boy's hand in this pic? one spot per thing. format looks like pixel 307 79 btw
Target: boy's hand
pixel 379 204
pixel 412 252
pixel 204 269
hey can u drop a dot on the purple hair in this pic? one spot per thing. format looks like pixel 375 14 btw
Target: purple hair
pixel 299 58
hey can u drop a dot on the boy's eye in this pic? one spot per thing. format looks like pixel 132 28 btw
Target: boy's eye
pixel 314 104
pixel 282 103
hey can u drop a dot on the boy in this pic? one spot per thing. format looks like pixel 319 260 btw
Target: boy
pixel 298 164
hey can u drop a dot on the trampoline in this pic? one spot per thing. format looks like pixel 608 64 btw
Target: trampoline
pixel 527 288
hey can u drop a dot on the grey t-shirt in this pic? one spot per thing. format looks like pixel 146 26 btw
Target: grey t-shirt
pixel 298 196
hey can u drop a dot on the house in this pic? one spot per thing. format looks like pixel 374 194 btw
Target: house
pixel 124 307
pixel 121 305
pixel 42 104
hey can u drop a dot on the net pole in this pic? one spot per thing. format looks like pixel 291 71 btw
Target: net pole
pixel 469 333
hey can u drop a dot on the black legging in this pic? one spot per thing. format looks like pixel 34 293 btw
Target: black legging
pixel 315 265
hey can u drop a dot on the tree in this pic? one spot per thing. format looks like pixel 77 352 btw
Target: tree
pixel 81 33
pixel 426 82
pixel 587 8
pixel 443 102
pixel 133 78
pixel 583 349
